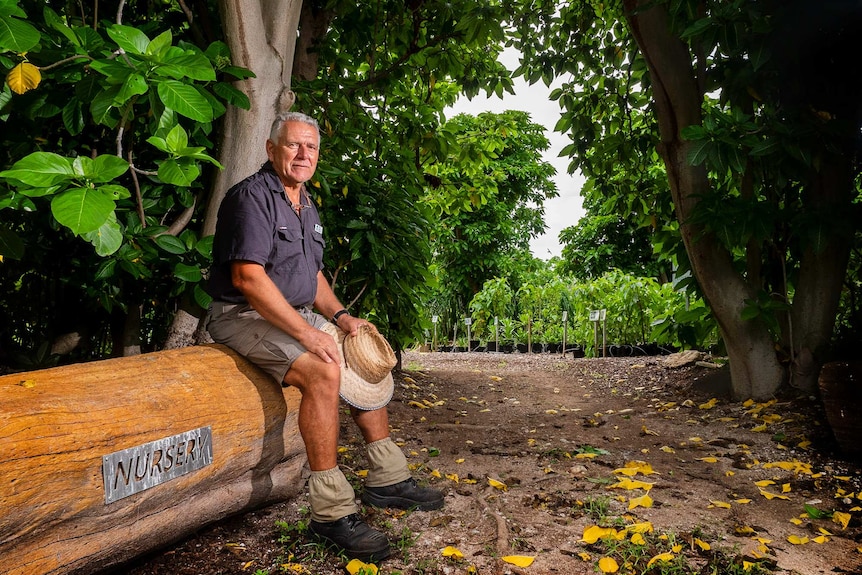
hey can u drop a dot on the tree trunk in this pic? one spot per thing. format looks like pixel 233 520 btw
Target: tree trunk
pixel 755 369
pixel 261 35
pixel 821 274
pixel 60 427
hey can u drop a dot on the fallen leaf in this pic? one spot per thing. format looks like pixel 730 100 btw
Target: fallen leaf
pixel 660 557
pixel 644 501
pixel 796 540
pixel 497 484
pixel 452 552
pixel 638 539
pixel 356 566
pixel 584 556
pixel 770 495
pixel 608 565
pixel 841 518
pixel 593 533
pixel 721 504
pixel 704 546
pixel 519 560
pixel 709 404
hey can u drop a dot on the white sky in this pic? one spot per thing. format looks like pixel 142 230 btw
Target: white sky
pixel 560 212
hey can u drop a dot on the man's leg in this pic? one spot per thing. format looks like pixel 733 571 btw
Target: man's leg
pixel 389 483
pixel 333 508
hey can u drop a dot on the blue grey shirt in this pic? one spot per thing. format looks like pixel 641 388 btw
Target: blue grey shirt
pixel 256 223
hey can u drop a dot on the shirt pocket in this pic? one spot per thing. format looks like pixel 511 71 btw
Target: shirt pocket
pixel 289 255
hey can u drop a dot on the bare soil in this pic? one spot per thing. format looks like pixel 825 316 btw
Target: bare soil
pixel 553 431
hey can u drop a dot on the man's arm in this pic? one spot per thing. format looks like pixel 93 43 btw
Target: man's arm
pixel 327 303
pixel 250 278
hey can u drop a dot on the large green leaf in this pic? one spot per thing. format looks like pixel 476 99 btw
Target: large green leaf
pixel 171 244
pixel 40 170
pixel 108 238
pixel 178 172
pixel 108 167
pixel 129 38
pixel 187 273
pixel 185 100
pixel 17 35
pixel 135 85
pixel 82 210
pixel 188 65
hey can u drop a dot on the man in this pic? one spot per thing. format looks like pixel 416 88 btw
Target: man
pixel 266 277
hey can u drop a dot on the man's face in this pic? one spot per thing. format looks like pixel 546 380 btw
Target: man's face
pixel 294 156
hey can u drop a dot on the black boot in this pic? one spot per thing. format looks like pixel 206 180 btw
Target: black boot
pixel 354 536
pixel 403 495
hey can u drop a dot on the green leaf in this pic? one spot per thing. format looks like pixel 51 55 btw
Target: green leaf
pixel 187 273
pixel 178 173
pixel 11 245
pixel 135 85
pixel 185 100
pixel 116 191
pixel 73 117
pixel 815 513
pixel 193 66
pixel 53 20
pixel 129 38
pixel 107 168
pixel 160 45
pixel 17 35
pixel 177 139
pixel 40 170
pixel 171 244
pixel 232 95
pixel 202 298
pixel 159 143
pixel 108 238
pixel 82 210
pixel 204 246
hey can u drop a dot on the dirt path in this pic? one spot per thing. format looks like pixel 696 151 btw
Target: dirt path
pixel 529 448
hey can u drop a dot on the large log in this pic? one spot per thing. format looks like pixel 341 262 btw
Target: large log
pixel 60 428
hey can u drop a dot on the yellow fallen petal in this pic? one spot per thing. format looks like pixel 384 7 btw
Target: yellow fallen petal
pixel 708 459
pixel 452 477
pixel 644 527
pixel 593 533
pixel 608 565
pixel 496 377
pixel 435 473
pixel 644 501
pixel 764 483
pixel 796 521
pixel 820 539
pixel 785 488
pixel 667 449
pixel 721 504
pixel 742 501
pixel 796 540
pixel 770 495
pixel 660 557
pixel 417 404
pixel 841 518
pixel 638 539
pixel 586 455
pixel 497 484
pixel 452 552
pixel 461 460
pixel 677 548
pixel 704 546
pixel 362 473
pixel 584 556
pixel 519 560
pixel 356 566
pixel 709 404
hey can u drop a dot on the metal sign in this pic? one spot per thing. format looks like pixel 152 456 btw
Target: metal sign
pixel 434 319
pixel 139 468
pixel 468 321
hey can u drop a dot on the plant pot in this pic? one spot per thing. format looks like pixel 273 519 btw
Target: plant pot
pixel 841 391
pixel 507 348
pixel 492 346
pixel 521 347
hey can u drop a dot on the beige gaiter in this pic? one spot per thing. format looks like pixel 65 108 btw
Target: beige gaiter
pixel 387 464
pixel 330 495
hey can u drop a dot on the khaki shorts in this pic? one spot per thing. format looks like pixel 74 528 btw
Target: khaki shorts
pixel 241 328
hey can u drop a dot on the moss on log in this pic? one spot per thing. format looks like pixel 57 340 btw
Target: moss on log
pixel 57 425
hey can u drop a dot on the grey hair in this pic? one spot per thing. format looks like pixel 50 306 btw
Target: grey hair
pixel 279 121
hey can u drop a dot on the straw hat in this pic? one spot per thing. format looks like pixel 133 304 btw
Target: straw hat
pixel 366 367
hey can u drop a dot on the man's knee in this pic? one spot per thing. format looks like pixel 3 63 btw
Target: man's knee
pixel 314 376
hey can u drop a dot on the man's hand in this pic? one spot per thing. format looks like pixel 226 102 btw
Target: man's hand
pixel 321 344
pixel 351 324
